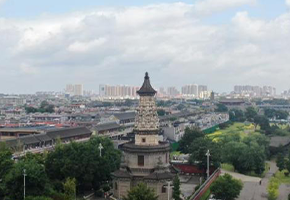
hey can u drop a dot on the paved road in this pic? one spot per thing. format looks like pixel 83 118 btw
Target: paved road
pixel 252 189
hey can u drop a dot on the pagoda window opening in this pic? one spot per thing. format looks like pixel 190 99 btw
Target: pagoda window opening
pixel 143 140
pixel 116 186
pixel 163 189
pixel 140 160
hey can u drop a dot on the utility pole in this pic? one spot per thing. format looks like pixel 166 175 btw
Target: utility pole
pixel 100 148
pixel 24 175
pixel 168 192
pixel 208 155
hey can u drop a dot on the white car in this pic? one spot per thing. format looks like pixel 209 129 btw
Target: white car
pixel 211 197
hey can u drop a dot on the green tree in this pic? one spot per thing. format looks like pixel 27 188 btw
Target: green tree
pixel 198 150
pixel 226 187
pixel 270 113
pixel 221 108
pixel 189 136
pixel 31 110
pixel 245 157
pixel 161 112
pixel 250 114
pixel 38 198
pixel 69 188
pixel 6 164
pixel 281 114
pixel 278 114
pixel 237 115
pixel 273 189
pixel 141 192
pixel 37 182
pixel 280 162
pixel 83 162
pixel 176 189
pixel 6 161
pixel 262 121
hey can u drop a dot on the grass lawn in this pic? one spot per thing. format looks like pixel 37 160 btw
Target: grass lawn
pixel 228 167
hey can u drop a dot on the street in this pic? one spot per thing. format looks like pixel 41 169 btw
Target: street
pixel 252 189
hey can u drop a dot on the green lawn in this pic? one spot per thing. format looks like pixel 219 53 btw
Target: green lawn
pixel 228 167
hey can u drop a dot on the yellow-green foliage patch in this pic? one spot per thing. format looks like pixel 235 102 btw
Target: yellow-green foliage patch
pixel 280 175
pixel 228 167
pixel 241 129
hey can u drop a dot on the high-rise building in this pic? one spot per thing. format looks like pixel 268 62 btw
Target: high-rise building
pixel 79 90
pixel 256 91
pixel 194 90
pixel 172 92
pixel 76 90
pixel 202 89
pixel 117 91
pixel 146 159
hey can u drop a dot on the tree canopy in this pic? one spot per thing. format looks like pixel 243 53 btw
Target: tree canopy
pixel 83 162
pixel 198 150
pixel 221 108
pixel 141 192
pixel 176 189
pixel 189 136
pixel 250 114
pixel 237 115
pixel 37 182
pixel 226 188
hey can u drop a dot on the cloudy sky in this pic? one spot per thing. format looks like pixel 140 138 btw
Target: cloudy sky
pixel 46 44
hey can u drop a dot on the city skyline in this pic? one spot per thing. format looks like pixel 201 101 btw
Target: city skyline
pixel 219 43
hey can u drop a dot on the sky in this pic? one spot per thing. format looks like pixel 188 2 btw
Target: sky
pixel 45 45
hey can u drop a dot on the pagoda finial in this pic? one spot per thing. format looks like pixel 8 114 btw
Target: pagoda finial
pixel 146 75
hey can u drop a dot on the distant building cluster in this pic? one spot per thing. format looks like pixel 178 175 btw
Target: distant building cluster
pixel 12 100
pixel 118 91
pixel 286 93
pixel 74 89
pixel 193 91
pixel 198 91
pixel 255 91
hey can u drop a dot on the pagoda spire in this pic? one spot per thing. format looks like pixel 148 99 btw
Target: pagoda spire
pixel 146 89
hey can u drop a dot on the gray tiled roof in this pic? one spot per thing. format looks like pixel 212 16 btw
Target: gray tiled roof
pixel 48 136
pixel 68 132
pixel 107 126
pixel 279 141
pixel 125 116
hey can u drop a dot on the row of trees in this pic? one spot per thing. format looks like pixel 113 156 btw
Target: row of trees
pixel 43 108
pixel 245 154
pixel 251 115
pixel 237 115
pixel 71 168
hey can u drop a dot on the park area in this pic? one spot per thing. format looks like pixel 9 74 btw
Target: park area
pixel 240 129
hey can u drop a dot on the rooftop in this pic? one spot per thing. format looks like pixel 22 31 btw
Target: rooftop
pixel 146 89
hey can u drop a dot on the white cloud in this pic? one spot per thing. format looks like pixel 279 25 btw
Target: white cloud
pixel 117 45
pixel 288 2
pixel 86 46
pixel 210 6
